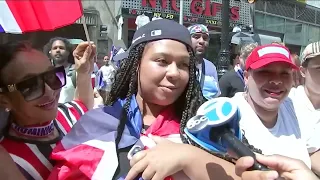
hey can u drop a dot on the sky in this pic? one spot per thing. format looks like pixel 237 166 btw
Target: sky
pixel 315 3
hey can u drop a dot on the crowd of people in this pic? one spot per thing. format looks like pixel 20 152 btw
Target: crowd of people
pixel 66 118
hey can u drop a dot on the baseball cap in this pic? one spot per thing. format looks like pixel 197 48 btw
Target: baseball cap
pixel 157 30
pixel 198 28
pixel 267 54
pixel 312 50
pixel 161 29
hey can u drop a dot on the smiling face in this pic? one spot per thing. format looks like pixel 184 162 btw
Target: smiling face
pixel 163 72
pixel 311 72
pixel 269 85
pixel 26 64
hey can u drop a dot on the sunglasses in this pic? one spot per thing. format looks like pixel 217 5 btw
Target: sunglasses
pixel 34 87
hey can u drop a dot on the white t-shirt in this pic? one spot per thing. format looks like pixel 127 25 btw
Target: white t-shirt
pixel 308 117
pixel 108 73
pixel 67 92
pixel 142 20
pixel 283 139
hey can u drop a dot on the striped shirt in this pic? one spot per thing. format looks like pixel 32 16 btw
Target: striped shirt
pixel 32 157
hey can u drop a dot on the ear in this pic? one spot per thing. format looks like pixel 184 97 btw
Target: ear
pixel 5 102
pixel 246 75
pixel 303 71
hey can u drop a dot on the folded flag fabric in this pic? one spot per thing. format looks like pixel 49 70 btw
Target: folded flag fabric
pixel 113 52
pixel 20 16
pixel 89 150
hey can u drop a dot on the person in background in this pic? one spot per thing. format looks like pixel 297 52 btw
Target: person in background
pixel 29 91
pixel 297 77
pixel 105 77
pixel 233 81
pixel 278 43
pixel 306 102
pixel 281 168
pixel 207 71
pixel 59 51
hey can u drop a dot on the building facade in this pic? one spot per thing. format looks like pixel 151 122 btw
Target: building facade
pixel 100 17
pixel 296 23
pixel 195 11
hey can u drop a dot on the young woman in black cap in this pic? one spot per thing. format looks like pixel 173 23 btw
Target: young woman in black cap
pixel 154 94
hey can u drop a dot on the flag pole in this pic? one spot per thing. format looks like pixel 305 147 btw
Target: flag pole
pixel 85 29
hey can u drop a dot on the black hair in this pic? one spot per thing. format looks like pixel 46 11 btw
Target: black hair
pixel 126 79
pixel 8 52
pixel 69 48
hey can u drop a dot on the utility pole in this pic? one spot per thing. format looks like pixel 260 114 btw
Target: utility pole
pixel 224 54
pixel 181 12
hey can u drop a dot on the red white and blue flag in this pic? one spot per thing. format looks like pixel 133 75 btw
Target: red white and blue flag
pixel 89 150
pixel 20 16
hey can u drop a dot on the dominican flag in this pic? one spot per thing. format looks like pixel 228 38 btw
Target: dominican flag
pixel 113 52
pixel 101 84
pixel 20 16
pixel 89 150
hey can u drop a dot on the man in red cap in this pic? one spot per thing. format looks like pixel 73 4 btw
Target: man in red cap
pixel 268 117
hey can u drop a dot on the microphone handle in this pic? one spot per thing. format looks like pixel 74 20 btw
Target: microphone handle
pixel 241 150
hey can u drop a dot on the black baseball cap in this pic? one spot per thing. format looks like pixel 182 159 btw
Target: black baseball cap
pixel 157 30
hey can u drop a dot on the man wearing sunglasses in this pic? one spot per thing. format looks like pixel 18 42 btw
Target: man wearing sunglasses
pixel 29 91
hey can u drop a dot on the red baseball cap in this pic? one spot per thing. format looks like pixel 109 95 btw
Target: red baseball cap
pixel 267 54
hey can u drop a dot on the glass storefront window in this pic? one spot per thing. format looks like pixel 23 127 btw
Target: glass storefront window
pixel 313 34
pixel 275 24
pixel 295 33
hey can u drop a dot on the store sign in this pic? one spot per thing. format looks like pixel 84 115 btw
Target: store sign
pixel 197 7
pixel 195 11
pixel 171 16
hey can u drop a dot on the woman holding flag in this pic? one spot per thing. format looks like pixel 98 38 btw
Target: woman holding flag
pixel 29 91
pixel 155 92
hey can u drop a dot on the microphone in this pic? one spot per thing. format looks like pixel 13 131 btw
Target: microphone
pixel 216 129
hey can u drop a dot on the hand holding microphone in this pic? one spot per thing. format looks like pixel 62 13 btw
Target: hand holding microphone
pixel 283 168
pixel 216 128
